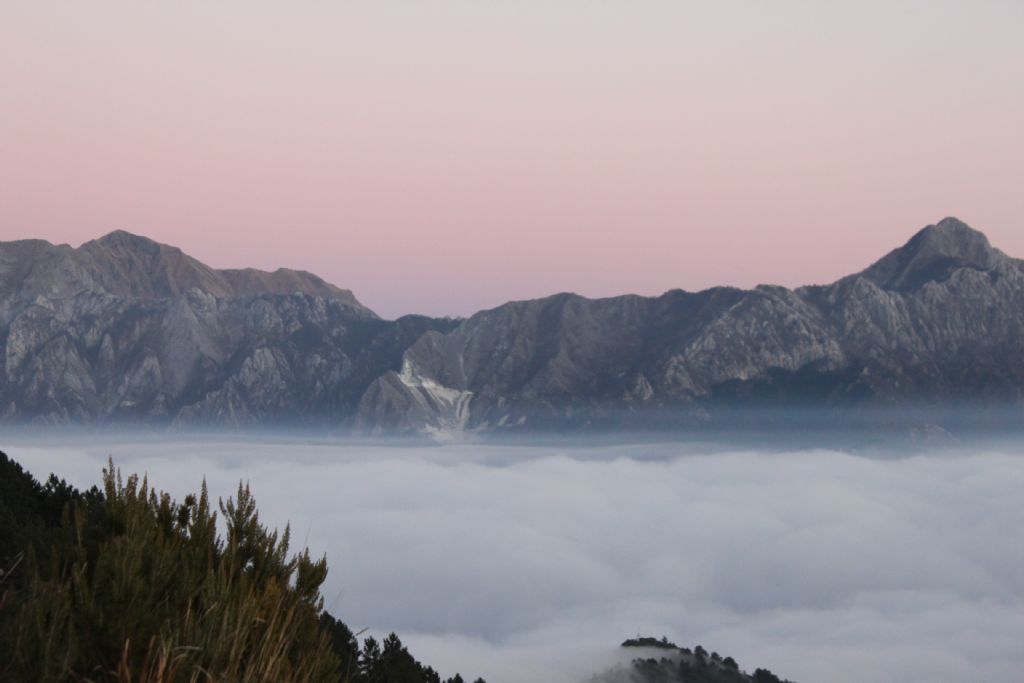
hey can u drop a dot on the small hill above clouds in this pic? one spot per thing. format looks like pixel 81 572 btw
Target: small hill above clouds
pixel 661 661
pixel 127 265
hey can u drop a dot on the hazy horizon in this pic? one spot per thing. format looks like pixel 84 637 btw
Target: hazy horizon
pixel 447 158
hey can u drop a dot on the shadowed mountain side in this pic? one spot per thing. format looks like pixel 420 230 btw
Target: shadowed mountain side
pixel 125 328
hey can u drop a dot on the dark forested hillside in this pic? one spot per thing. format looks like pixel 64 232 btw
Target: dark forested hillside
pixel 125 585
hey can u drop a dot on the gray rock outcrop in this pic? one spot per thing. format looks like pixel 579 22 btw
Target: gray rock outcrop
pixel 123 328
pixel 939 321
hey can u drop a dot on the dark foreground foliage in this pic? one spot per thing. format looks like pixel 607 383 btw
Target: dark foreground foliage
pixel 126 585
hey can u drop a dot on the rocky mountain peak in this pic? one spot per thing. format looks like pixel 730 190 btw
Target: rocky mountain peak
pixel 932 255
pixel 951 237
pixel 129 240
pixel 123 245
pixel 131 265
pixel 949 326
pixel 135 267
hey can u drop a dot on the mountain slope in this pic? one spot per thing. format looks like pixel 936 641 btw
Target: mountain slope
pixel 125 328
pixel 127 265
pixel 939 320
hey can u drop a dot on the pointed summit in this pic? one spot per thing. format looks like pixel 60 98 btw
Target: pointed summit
pixel 127 241
pixel 132 265
pixel 932 255
pixel 122 236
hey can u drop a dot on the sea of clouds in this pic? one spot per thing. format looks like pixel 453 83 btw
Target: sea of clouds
pixel 531 563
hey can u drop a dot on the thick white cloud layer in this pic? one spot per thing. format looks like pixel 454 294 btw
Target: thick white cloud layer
pixel 532 563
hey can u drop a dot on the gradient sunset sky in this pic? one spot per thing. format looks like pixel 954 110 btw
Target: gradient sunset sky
pixel 442 157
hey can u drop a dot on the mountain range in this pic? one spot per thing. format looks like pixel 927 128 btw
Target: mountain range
pixel 126 329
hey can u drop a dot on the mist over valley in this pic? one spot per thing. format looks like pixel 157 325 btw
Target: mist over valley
pixel 532 562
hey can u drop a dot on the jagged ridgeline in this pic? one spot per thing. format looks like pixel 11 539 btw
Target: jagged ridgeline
pixel 125 329
pixel 121 584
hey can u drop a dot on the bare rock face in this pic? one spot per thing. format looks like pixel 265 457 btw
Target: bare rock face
pixel 938 321
pixel 126 265
pixel 124 328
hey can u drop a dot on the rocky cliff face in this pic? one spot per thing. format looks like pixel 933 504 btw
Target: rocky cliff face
pixel 125 265
pixel 938 321
pixel 124 328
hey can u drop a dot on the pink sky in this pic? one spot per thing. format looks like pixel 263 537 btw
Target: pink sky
pixel 443 157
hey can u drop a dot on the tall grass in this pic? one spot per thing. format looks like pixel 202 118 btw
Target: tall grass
pixel 142 589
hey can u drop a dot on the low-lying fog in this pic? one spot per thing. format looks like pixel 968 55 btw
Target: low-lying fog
pixel 533 563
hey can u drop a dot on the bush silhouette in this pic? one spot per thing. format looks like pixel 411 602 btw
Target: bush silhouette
pixel 126 585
